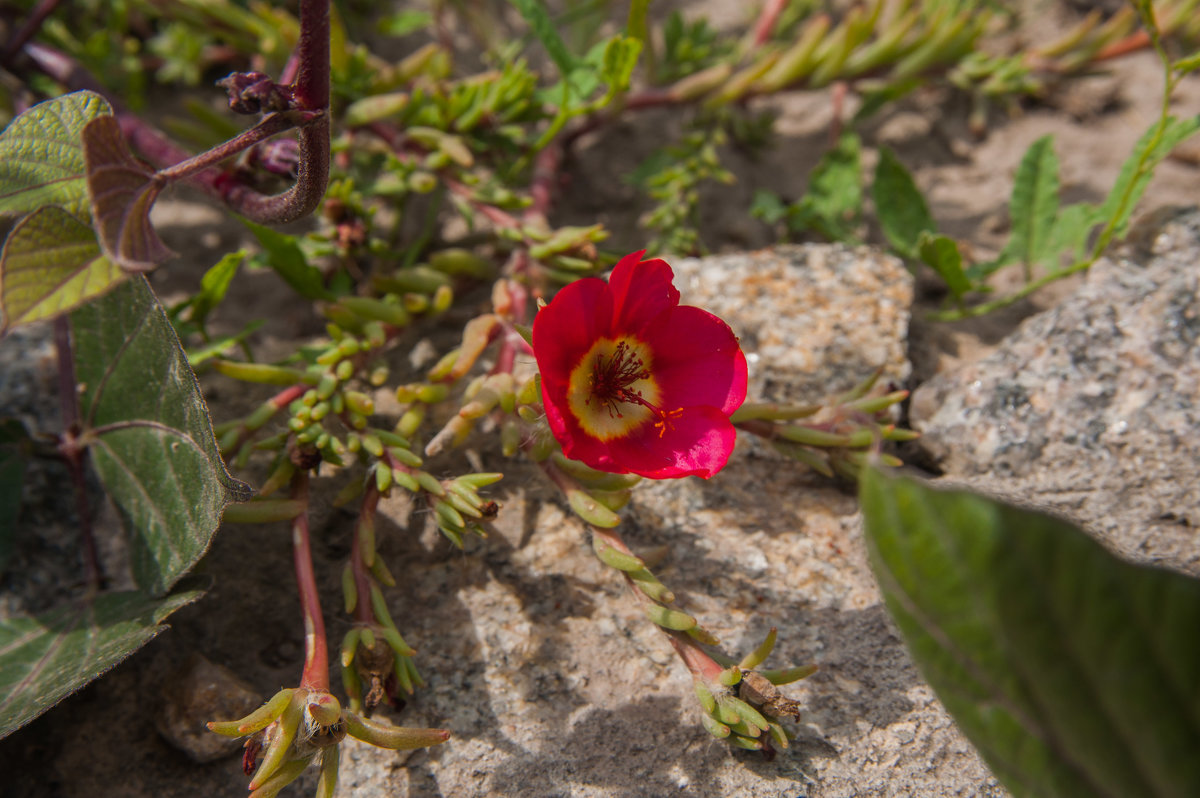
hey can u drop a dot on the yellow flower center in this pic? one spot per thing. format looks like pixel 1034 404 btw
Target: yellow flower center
pixel 612 393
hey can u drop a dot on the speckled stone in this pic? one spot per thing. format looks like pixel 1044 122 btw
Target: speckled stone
pixel 1091 409
pixel 813 319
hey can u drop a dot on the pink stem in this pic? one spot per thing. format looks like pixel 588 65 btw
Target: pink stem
pixel 316 647
pixel 767 19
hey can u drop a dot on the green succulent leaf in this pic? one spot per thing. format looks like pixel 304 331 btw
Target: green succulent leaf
pixel 149 433
pixel 41 155
pixel 50 264
pixel 45 658
pixel 1072 671
pixel 902 211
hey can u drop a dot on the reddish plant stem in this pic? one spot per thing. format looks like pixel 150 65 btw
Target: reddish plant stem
pixel 363 611
pixel 767 19
pixel 695 658
pixel 316 648
pixel 268 126
pixel 32 24
pixel 1138 40
pixel 73 453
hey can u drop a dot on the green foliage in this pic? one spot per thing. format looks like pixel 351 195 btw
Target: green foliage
pixel 41 155
pixel 672 178
pixel 832 206
pixel 50 264
pixel 688 47
pixel 45 658
pixel 149 434
pixel 903 214
pixel 1072 671
pixel 283 254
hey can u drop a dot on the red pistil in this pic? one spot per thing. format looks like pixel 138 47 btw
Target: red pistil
pixel 611 381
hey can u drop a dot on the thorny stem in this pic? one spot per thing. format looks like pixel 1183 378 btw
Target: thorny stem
pixel 73 453
pixel 316 649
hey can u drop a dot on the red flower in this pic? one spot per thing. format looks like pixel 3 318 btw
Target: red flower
pixel 634 383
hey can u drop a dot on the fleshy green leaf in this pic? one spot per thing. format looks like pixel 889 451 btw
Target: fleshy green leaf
pixel 942 255
pixel 51 263
pixel 45 658
pixel 14 440
pixel 1072 671
pixel 284 255
pixel 1138 168
pixel 149 433
pixel 1034 205
pixel 902 211
pixel 122 192
pixel 41 155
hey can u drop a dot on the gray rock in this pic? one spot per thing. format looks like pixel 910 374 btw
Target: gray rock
pixel 1091 408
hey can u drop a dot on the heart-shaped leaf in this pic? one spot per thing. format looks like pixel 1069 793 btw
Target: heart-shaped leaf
pixel 45 658
pixel 51 263
pixel 1073 672
pixel 149 433
pixel 41 155
pixel 122 191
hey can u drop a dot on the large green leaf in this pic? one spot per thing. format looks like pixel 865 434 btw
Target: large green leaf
pixel 1073 672
pixel 51 263
pixel 41 155
pixel 901 208
pixel 149 432
pixel 43 659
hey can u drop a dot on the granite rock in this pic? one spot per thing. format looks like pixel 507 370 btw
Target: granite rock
pixel 1090 409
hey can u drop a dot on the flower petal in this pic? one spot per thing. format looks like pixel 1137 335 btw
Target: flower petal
pixel 697 443
pixel 697 360
pixel 642 291
pixel 576 443
pixel 565 329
